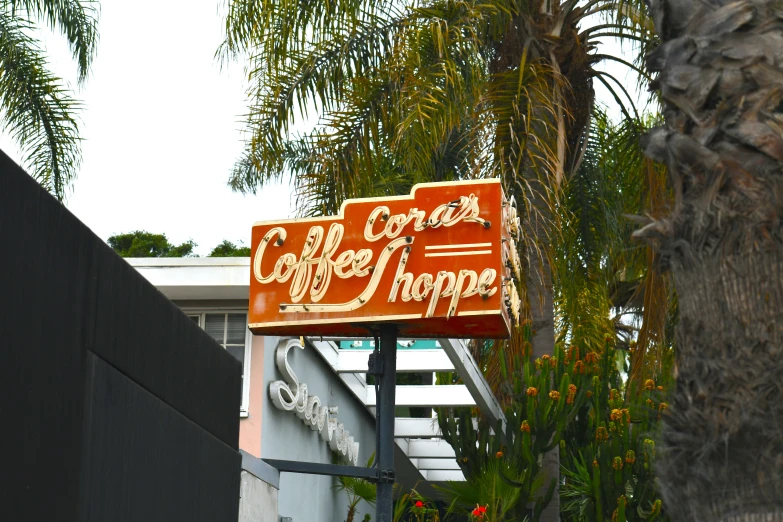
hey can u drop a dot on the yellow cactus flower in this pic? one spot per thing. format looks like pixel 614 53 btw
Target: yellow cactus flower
pixel 630 457
pixel 571 394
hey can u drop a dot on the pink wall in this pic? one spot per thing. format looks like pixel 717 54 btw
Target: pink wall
pixel 250 426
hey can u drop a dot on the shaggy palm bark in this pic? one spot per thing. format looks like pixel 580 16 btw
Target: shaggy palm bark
pixel 542 313
pixel 721 77
pixel 538 36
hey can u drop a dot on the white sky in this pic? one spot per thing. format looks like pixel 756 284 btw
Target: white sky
pixel 162 127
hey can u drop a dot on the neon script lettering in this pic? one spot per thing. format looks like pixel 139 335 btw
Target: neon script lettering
pixel 292 395
pixel 321 260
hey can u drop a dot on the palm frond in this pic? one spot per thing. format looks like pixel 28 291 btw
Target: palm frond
pixel 359 488
pixel 581 295
pixel 294 25
pixel 77 20
pixel 327 75
pixel 487 488
pixel 598 266
pixel 652 353
pixel 630 22
pixel 38 111
pixel 576 495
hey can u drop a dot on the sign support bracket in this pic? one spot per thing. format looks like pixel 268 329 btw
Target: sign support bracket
pixel 314 468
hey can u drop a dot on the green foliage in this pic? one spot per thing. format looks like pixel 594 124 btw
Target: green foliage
pixel 141 243
pixel 413 507
pixel 580 404
pixel 545 396
pixel 410 92
pixel 408 506
pixel 421 509
pixel 358 490
pixel 608 455
pixel 229 249
pixel 38 111
pixel 491 489
pixel 606 283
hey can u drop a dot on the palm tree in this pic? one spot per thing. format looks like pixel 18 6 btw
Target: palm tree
pixel 721 72
pixel 606 283
pixel 427 91
pixel 37 109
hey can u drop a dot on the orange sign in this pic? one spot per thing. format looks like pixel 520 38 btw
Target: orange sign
pixel 441 262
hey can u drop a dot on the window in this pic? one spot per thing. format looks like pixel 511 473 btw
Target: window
pixel 229 328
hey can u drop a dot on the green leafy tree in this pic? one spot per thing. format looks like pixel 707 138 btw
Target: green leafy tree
pixel 36 108
pixel 720 72
pixel 141 243
pixel 229 249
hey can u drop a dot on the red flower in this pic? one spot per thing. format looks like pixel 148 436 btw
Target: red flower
pixel 479 511
pixel 419 504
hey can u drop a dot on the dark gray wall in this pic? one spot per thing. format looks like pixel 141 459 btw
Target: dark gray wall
pixel 311 498
pixel 114 406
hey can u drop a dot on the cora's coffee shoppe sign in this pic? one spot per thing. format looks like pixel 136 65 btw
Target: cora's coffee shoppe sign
pixel 440 262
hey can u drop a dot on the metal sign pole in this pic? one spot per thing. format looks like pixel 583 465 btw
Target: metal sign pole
pixel 384 506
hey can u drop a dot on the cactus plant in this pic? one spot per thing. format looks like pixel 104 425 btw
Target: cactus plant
pixel 608 455
pixel 547 395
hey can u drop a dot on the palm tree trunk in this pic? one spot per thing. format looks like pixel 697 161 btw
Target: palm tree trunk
pixel 721 77
pixel 540 297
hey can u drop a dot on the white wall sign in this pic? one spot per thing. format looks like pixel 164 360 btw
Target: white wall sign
pixel 291 395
